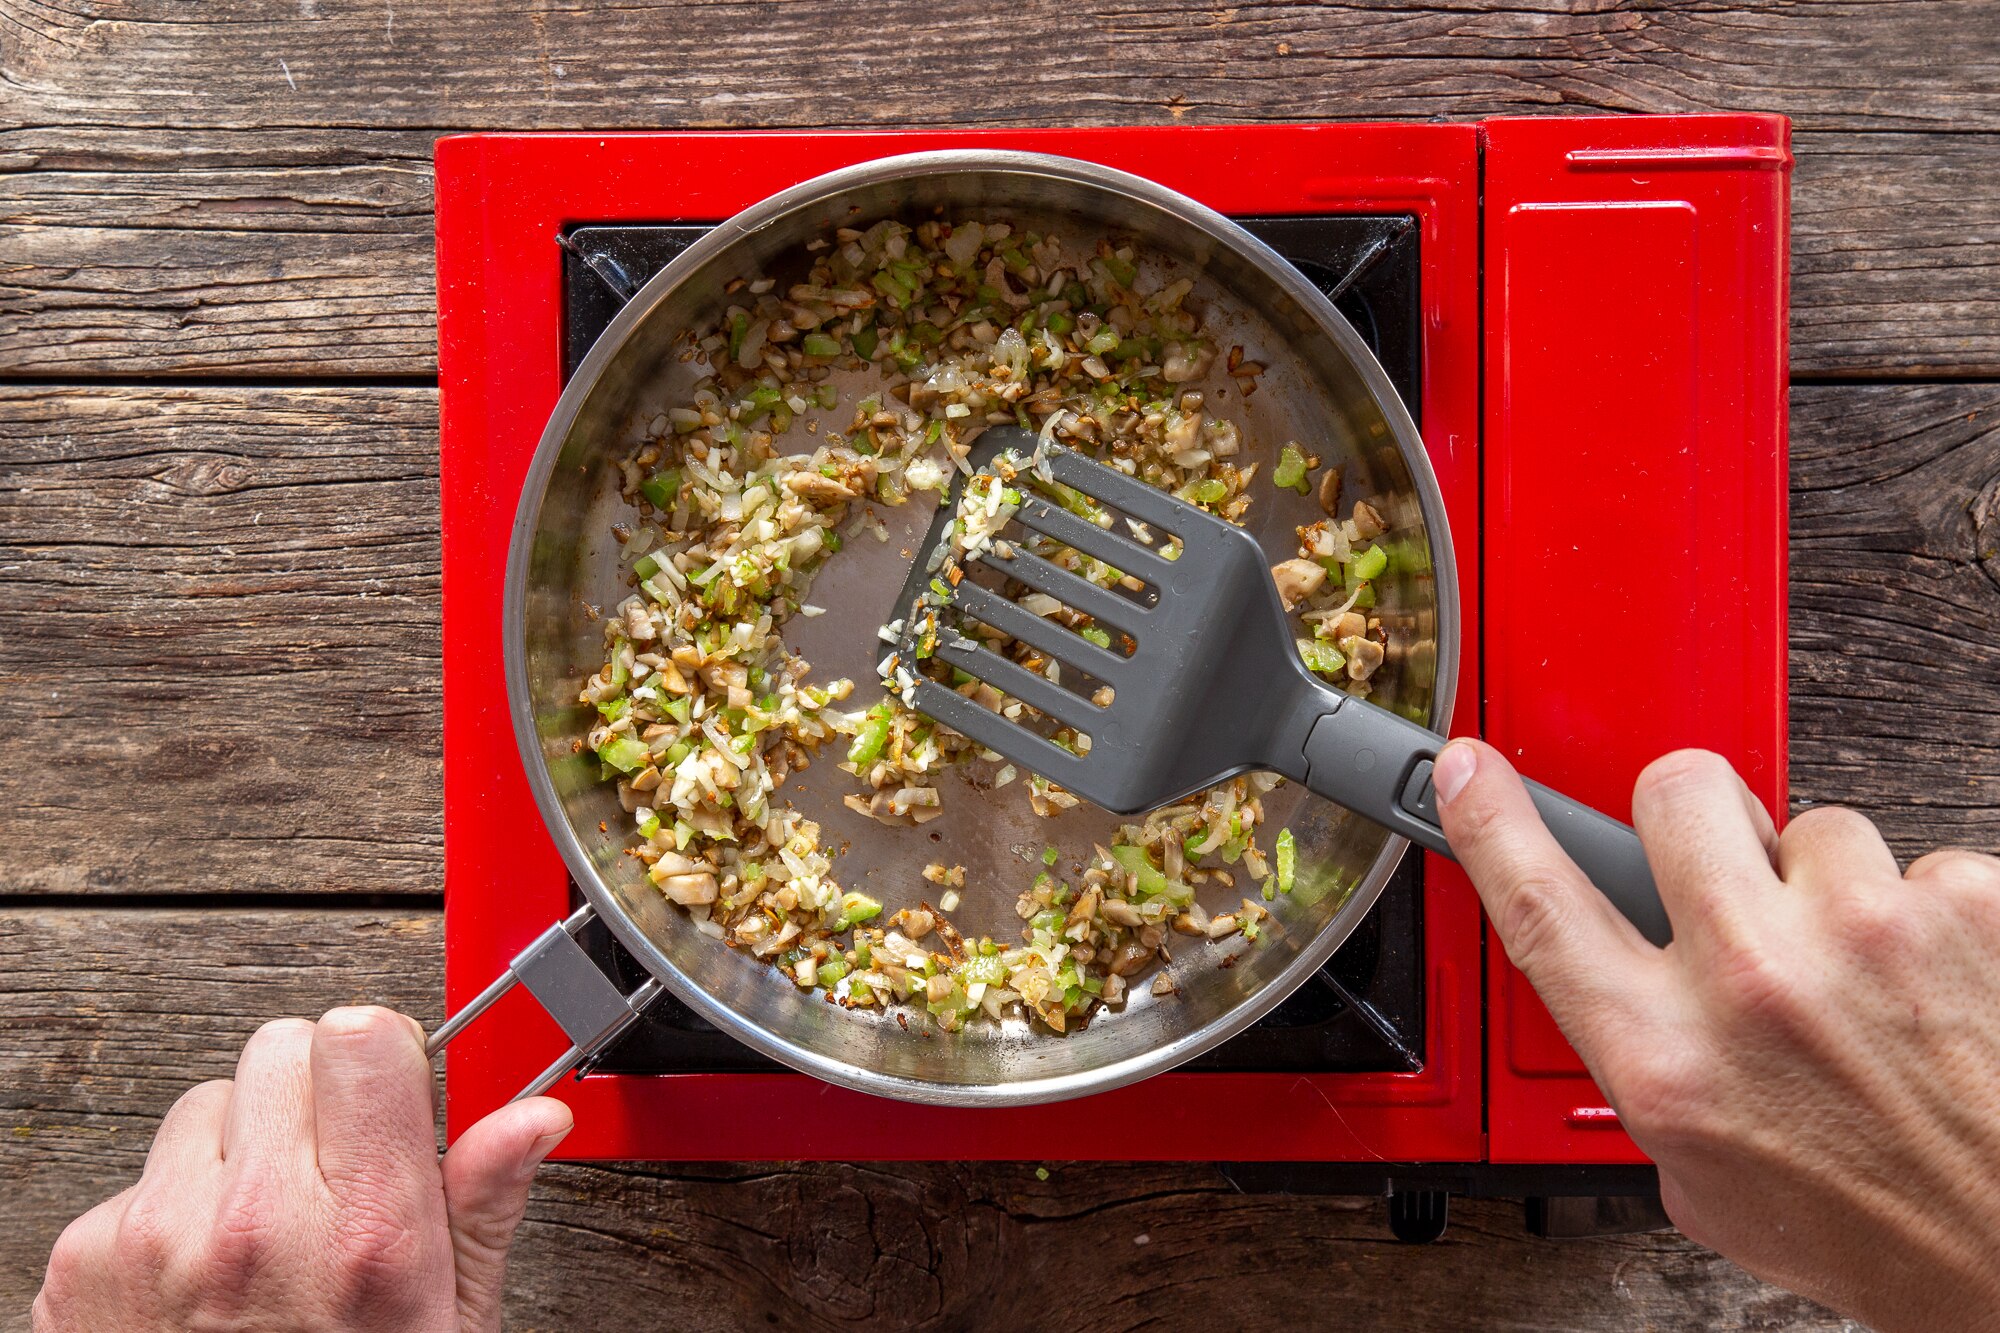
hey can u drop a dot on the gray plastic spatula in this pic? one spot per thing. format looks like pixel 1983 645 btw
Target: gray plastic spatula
pixel 1214 687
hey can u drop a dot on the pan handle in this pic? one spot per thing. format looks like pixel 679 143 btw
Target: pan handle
pixel 1379 765
pixel 591 1011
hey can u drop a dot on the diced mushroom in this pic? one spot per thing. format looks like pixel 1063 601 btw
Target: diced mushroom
pixel 1163 984
pixel 819 489
pixel 1131 957
pixel 1368 520
pixel 1297 580
pixel 1329 491
pixel 689 890
pixel 1363 656
pixel 1120 913
pixel 915 923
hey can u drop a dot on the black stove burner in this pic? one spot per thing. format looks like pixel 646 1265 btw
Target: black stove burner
pixel 1364 1011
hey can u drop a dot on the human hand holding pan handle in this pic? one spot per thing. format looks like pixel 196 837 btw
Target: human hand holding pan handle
pixel 1814 1062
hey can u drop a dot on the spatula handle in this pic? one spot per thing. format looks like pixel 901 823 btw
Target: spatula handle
pixel 1379 765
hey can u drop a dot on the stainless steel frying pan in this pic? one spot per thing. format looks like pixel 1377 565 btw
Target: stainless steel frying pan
pixel 1322 386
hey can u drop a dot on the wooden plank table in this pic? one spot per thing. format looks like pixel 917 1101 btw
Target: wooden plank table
pixel 219 581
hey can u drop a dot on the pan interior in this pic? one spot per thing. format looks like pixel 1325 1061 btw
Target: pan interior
pixel 568 571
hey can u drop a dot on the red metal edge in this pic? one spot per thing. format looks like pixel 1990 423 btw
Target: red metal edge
pixel 1635 496
pixel 501 201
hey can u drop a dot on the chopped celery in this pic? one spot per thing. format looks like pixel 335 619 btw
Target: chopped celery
pixel 649 825
pixel 1096 635
pixel 1288 859
pixel 831 971
pixel 1211 491
pixel 1049 855
pixel 1122 271
pixel 1290 474
pixel 613 709
pixel 678 709
pixel 646 566
pixel 1370 563
pixel 1106 340
pixel 627 754
pixel 1152 882
pixel 1321 657
pixel 1060 323
pixel 865 340
pixel 819 344
pixel 870 740
pixel 663 489
pixel 854 909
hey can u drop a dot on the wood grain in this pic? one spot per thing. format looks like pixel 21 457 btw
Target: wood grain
pixel 219 640
pixel 1895 596
pixel 218 630
pixel 1834 64
pixel 110 1022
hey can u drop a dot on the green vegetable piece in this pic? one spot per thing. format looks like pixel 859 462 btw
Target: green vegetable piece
pixel 864 342
pixel 1208 492
pixel 1049 855
pixel 1105 341
pixel 819 344
pixel 832 541
pixel 738 326
pixel 1153 883
pixel 1370 563
pixel 1097 635
pixel 831 971
pixel 1059 323
pixel 1288 860
pixel 1290 474
pixel 870 740
pixel 613 709
pixel 854 909
pixel 627 754
pixel 649 826
pixel 1122 271
pixel 1320 657
pixel 662 489
pixel 646 566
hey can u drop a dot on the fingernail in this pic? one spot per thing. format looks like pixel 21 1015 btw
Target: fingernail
pixel 539 1150
pixel 1452 769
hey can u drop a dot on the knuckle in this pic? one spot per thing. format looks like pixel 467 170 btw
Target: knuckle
pixel 76 1254
pixel 1660 1097
pixel 1756 989
pixel 281 1032
pixel 242 1238
pixel 1873 926
pixel 146 1232
pixel 1826 820
pixel 375 1252
pixel 1957 871
pixel 1533 918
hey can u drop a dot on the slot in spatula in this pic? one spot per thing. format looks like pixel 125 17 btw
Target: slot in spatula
pixel 1212 686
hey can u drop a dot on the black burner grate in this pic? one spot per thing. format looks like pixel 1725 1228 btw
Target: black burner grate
pixel 1364 1011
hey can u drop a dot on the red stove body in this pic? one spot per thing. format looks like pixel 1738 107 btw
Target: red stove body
pixel 1603 322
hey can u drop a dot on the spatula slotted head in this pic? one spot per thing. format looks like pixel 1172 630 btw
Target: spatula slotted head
pixel 1181 699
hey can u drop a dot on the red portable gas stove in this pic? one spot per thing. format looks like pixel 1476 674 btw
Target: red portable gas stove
pixel 1586 316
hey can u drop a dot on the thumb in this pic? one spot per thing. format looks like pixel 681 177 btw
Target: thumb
pixel 1591 968
pixel 486 1178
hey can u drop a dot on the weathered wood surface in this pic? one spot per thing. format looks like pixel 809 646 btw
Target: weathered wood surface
pixel 209 192
pixel 219 640
pixel 111 1013
pixel 219 607
pixel 242 64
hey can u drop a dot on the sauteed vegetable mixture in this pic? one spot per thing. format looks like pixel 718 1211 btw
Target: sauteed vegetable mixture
pixel 704 712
